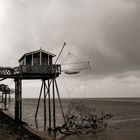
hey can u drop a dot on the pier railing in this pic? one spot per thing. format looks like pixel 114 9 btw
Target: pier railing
pixel 6 72
pixel 33 70
pixel 38 69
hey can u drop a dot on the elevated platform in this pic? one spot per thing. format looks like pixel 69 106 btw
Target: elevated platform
pixel 31 72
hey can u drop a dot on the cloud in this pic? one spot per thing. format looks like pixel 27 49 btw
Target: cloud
pixel 104 32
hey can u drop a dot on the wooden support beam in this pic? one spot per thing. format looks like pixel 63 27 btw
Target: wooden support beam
pixel 54 118
pixel 60 102
pixel 45 119
pixel 38 101
pixel 36 122
pixel 49 105
pixel 18 100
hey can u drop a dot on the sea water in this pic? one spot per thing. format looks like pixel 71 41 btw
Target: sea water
pixel 126 112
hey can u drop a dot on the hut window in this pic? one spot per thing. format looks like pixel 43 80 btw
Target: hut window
pixel 36 59
pixel 28 59
pixel 44 59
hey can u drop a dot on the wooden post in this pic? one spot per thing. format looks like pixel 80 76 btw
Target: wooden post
pixel 38 105
pixel 49 104
pixel 60 102
pixel 54 119
pixel 38 101
pixel 44 105
pixel 18 100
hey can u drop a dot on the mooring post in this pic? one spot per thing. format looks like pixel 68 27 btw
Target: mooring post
pixel 54 119
pixel 18 101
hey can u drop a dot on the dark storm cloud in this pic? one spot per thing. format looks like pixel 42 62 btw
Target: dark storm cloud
pixel 111 39
pixel 104 32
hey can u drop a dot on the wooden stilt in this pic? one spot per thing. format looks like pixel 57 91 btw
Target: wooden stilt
pixel 54 119
pixel 60 102
pixel 49 104
pixel 18 101
pixel 45 119
pixel 38 105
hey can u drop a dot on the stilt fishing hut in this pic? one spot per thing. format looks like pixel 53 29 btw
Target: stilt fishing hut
pixel 5 91
pixel 38 65
pixel 35 65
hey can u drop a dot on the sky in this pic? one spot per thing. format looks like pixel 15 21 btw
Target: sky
pixel 104 32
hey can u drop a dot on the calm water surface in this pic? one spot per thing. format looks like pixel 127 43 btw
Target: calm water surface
pixel 126 113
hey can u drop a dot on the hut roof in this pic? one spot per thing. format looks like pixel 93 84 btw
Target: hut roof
pixel 46 52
